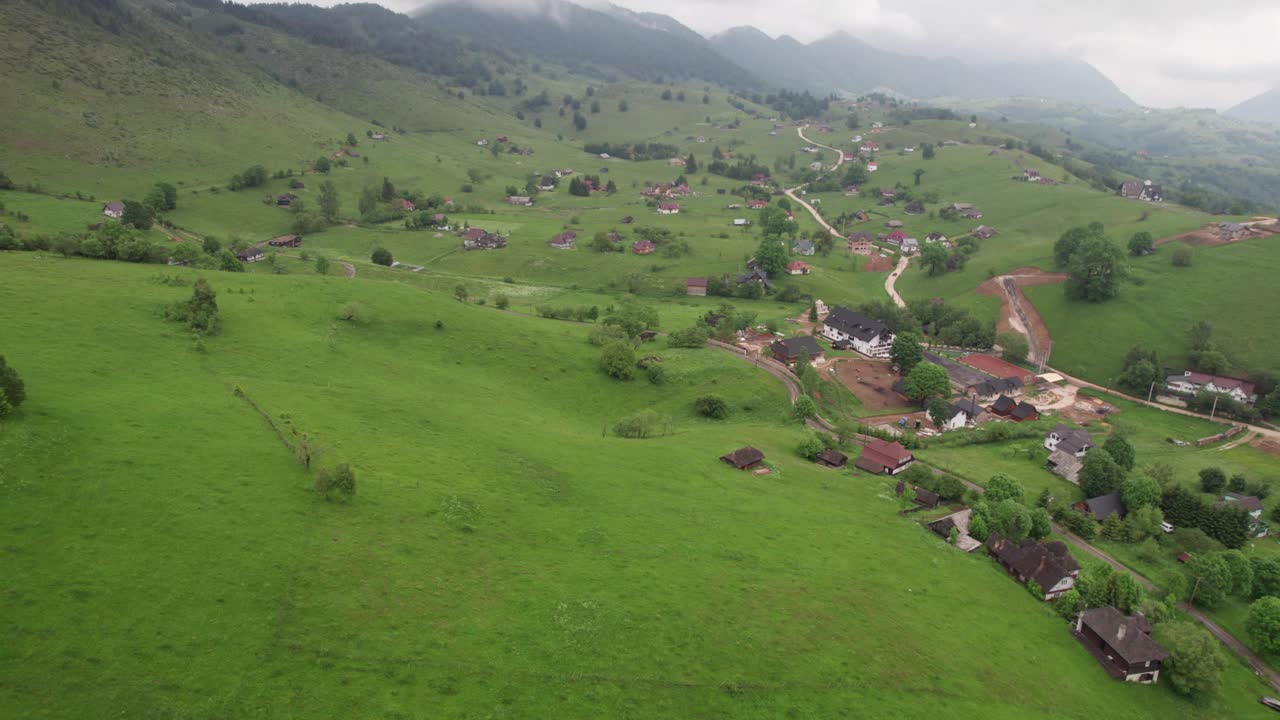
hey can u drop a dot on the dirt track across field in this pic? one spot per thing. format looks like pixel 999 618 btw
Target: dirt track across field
pixel 1208 236
pixel 871 381
pixel 1017 313
pixel 878 263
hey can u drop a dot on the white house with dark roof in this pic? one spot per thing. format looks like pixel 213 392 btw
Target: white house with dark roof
pixel 1070 440
pixel 848 329
pixel 1191 382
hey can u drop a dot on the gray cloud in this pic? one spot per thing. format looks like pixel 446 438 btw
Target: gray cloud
pixel 1161 52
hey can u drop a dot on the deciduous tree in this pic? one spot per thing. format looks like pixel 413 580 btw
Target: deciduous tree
pixel 926 380
pixel 906 352
pixel 1195 663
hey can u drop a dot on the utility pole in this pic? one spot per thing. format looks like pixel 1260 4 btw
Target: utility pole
pixel 1192 599
pixel 1215 406
pixel 1151 391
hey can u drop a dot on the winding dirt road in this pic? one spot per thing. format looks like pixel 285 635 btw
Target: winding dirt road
pixel 791 193
pixel 890 283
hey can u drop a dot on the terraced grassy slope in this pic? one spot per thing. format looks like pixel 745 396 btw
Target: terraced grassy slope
pixel 500 553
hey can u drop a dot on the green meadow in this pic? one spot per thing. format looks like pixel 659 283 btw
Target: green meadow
pixel 164 554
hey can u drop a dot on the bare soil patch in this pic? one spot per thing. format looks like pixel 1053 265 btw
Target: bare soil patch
pixel 871 381
pixel 1208 236
pixel 878 263
pixel 1267 445
pixel 1033 325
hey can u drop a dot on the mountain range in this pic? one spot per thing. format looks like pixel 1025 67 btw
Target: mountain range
pixel 1260 108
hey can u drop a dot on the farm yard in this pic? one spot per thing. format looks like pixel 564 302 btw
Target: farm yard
pixel 871 381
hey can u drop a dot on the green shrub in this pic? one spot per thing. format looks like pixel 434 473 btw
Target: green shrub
pixel 711 406
pixel 644 424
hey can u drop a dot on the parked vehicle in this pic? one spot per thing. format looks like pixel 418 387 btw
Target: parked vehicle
pixel 1179 443
pixel 1270 702
pixel 1166 527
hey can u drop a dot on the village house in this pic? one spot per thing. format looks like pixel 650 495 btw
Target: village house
pixel 920 496
pixel 1049 565
pixel 803 247
pixel 743 458
pixel 250 255
pixel 756 275
pixel 1103 507
pixel 1141 190
pixel 860 244
pixel 643 247
pixel 407 205
pixel 982 232
pixel 961 207
pixel 851 191
pixel 285 241
pixel 285 200
pixel 1024 412
pixel 872 166
pixel 788 351
pixel 741 222
pixel 962 413
pixel 520 200
pixel 848 329
pixel 973 214
pixel 832 458
pixel 915 207
pixel 889 194
pixel 910 246
pixel 988 390
pixel 1251 506
pixel 1030 175
pixel 960 522
pixel 1121 644
pixel 478 239
pixel 566 240
pixel 114 209
pixel 895 237
pixel 668 208
pixel 882 457
pixel 757 204
pixel 894 224
pixel 547 184
pixel 1073 441
pixel 798 267
pixel 1191 382
pixel 1064 465
pixel 695 286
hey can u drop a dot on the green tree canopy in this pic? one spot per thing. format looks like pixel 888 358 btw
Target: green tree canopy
pixel 1120 450
pixel 618 359
pixel 772 256
pixel 1100 475
pixel 12 388
pixel 906 352
pixel 1096 268
pixel 1139 491
pixel 1002 487
pixel 1141 243
pixel 1015 346
pixel 1195 663
pixel 927 380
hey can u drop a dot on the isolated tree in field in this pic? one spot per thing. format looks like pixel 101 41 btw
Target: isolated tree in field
pixel 579 121
pixel 368 201
pixel 1002 487
pixel 691 164
pixel 711 406
pixel 906 352
pixel 137 214
pixel 927 151
pixel 618 359
pixel 805 407
pixel 1195 663
pixel 200 312
pixel 1181 257
pixel 341 482
pixel 329 201
pixel 1141 243
pixel 1120 450
pixel 622 106
pixel 389 189
pixel 323 165
pixel 460 293
pixel 934 259
pixel 1200 335
pixel 1139 491
pixel 772 257
pixel 382 256
pixel 1100 475
pixel 927 380
pixel 773 222
pixel 917 174
pixel 228 262
pixel 12 390
pixel 501 301
pixel 351 139
pixel 211 245
pixel 1212 480
pixel 322 265
pixel 1096 268
pixel 938 411
pixel 1015 346
pixel 1067 244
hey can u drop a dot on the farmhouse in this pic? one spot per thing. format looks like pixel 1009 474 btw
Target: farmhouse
pixel 920 496
pixel 285 241
pixel 1073 441
pixel 744 458
pixel 872 166
pixel 114 209
pixel 643 247
pixel 521 200
pixel 798 267
pixel 936 237
pixel 1191 382
pixel 962 413
pixel 983 232
pixel 973 214
pixel 1023 412
pixel 1050 565
pixel 882 457
pixel 803 247
pixel 961 207
pixel 478 239
pixel 757 204
pixel 960 521
pixel 250 255
pixel 910 246
pixel 1064 465
pixel 848 329
pixel 1003 406
pixel 895 237
pixel 1122 645
pixel 695 286
pixel 564 241
pixel 668 208
pixel 1250 505
pixel 1103 506
pixel 407 205
pixel 547 184
pixel 791 350
pixel 1031 175
pixel 832 458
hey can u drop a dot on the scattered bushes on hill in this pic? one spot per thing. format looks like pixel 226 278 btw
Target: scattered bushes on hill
pixel 251 177
pixel 200 312
pixel 382 256
pixel 581 313
pixel 339 483
pixel 691 337
pixel 709 406
pixel 618 359
pixel 633 151
pixel 1181 257
pixel 644 424
pixel 12 390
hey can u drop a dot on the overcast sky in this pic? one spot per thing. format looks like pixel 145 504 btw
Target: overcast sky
pixel 1162 53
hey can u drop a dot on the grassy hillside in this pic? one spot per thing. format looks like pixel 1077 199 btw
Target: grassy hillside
pixel 500 551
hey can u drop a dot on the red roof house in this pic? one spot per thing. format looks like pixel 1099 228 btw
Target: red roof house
pixel 643 247
pixel 882 457
pixel 798 267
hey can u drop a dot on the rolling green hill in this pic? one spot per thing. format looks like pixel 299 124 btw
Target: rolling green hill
pixel 499 552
